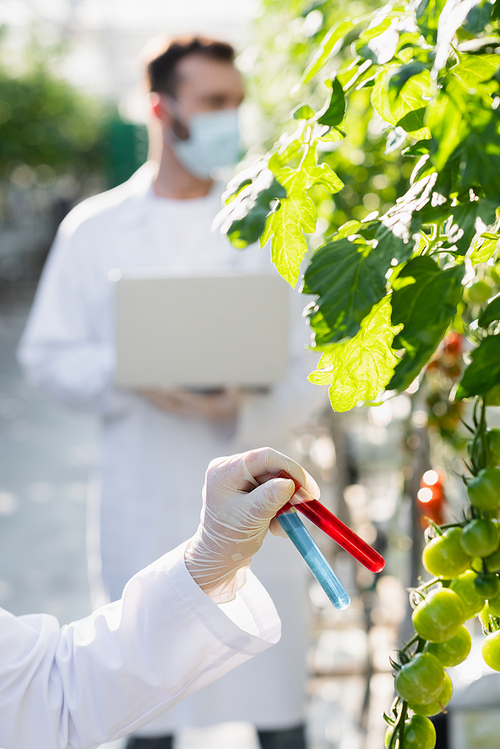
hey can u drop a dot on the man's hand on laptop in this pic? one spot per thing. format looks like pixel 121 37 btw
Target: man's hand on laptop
pixel 217 406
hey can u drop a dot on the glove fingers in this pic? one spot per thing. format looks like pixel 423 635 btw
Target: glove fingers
pixel 270 497
pixel 267 461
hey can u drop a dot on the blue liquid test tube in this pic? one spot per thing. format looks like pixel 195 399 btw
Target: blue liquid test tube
pixel 315 559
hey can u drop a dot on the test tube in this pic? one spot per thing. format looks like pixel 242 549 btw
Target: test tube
pixel 314 558
pixel 335 528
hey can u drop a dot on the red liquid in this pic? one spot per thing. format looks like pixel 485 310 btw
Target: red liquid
pixel 336 529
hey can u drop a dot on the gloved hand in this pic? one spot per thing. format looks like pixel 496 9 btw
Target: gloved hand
pixel 240 499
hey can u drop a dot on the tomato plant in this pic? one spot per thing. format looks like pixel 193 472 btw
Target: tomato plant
pixel 453 651
pixel 437 705
pixel 445 556
pixel 480 537
pixel 439 617
pixel 391 287
pixel 419 733
pixel 421 680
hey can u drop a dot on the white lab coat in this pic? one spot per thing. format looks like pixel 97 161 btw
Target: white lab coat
pixel 102 677
pixel 151 460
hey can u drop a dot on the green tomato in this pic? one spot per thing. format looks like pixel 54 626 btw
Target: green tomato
pixel 419 733
pixel 421 680
pixel 438 705
pixel 484 489
pixel 454 651
pixel 493 447
pixel 444 555
pixel 480 538
pixel 494 605
pixel 487 585
pixel 479 292
pixel 472 599
pixel 493 562
pixel 491 651
pixel 440 616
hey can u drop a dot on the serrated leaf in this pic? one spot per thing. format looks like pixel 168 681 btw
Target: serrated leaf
pixel 491 313
pixel 483 373
pixel 485 247
pixel 403 106
pixel 323 54
pixel 475 69
pixel 286 226
pixel 334 110
pixel 348 278
pixel 357 370
pixel 424 300
pixel 320 174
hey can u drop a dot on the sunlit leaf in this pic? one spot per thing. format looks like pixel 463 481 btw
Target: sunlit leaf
pixel 286 226
pixel 323 54
pixel 474 69
pixel 357 370
pixel 485 247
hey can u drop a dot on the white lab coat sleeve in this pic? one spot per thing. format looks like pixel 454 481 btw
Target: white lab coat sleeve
pixel 104 676
pixel 268 418
pixel 65 348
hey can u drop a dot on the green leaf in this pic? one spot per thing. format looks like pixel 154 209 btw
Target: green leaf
pixel 323 54
pixel 348 279
pixel 475 69
pixel 424 300
pixel 491 313
pixel 297 212
pixel 428 13
pixel 478 18
pixel 357 370
pixel 483 372
pixel 480 161
pixel 302 112
pixel 465 216
pixel 446 121
pixel 248 203
pixel 485 247
pixel 334 112
pixel 286 226
pixel 402 104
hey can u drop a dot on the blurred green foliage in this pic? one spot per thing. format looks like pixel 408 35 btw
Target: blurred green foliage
pixel 373 177
pixel 46 121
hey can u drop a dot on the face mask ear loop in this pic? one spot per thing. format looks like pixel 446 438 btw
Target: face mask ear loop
pixel 177 109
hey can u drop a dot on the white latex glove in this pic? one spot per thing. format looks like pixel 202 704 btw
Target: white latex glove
pixel 240 500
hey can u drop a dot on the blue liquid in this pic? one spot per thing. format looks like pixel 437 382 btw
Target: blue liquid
pixel 315 559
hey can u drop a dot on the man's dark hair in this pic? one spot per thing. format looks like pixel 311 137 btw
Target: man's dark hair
pixel 161 67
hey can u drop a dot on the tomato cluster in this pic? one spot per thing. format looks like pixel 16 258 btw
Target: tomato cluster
pixel 464 560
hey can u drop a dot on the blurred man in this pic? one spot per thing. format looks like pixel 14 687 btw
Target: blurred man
pixel 161 219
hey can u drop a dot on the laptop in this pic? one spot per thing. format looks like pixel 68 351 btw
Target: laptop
pixel 201 332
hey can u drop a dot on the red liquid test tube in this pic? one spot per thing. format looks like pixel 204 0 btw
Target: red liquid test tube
pixel 336 529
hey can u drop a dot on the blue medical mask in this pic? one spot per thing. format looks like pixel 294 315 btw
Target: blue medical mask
pixel 214 141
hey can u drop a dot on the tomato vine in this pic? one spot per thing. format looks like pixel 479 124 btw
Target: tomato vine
pixel 389 286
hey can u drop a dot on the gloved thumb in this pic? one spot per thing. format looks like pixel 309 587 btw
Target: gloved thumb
pixel 278 492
